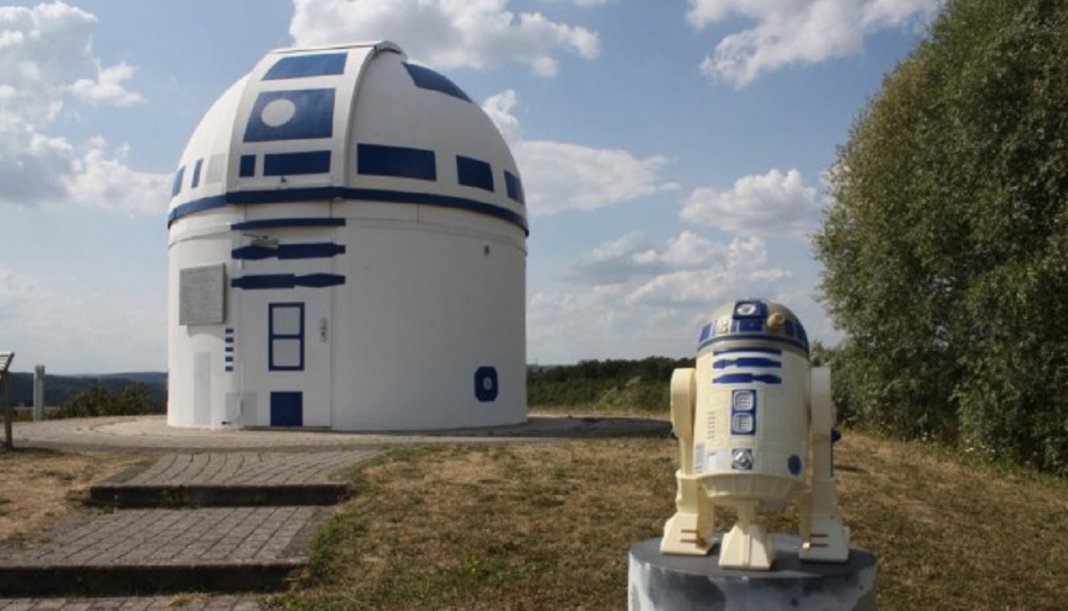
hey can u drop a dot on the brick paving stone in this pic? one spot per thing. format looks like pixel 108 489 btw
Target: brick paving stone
pixel 153 537
pixel 244 468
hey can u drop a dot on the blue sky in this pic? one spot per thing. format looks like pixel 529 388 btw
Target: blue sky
pixel 672 152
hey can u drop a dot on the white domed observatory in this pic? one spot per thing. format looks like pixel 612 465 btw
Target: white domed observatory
pixel 347 250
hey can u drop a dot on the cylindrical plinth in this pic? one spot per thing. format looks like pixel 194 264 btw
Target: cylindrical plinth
pixel 658 582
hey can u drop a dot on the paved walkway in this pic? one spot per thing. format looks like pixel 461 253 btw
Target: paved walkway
pixel 243 468
pixel 217 548
pixel 151 433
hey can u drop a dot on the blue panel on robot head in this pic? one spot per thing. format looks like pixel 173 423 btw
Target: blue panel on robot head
pixel 755 323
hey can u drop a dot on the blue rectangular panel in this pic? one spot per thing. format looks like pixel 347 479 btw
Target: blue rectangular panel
pixel 474 173
pixel 300 66
pixel 425 78
pixel 196 174
pixel 287 409
pixel 299 114
pixel 399 161
pixel 176 188
pixel 248 166
pixel 514 187
pixel 292 164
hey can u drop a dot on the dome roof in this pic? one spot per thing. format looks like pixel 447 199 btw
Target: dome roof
pixel 352 122
pixel 750 321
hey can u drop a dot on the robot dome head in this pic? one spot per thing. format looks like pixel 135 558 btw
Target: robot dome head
pixel 753 321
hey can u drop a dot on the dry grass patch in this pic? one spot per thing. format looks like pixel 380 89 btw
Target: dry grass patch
pixel 539 526
pixel 40 487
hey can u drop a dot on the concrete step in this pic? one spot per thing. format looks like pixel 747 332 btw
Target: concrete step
pixel 224 495
pixel 232 479
pixel 181 602
pixel 151 551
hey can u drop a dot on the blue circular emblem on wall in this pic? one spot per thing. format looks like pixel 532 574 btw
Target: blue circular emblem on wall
pixel 794 464
pixel 486 384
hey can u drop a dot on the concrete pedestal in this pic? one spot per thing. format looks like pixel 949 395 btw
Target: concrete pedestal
pixel 674 583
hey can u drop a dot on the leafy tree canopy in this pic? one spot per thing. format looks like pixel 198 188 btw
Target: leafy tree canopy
pixel 946 248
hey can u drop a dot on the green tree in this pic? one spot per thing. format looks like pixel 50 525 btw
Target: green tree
pixel 946 248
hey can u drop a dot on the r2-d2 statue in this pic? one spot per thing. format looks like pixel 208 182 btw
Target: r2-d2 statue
pixel 754 423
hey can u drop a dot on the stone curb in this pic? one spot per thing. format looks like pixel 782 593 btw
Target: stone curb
pixel 125 496
pixel 68 580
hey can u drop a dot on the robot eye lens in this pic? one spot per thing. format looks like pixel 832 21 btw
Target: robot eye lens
pixel 746 309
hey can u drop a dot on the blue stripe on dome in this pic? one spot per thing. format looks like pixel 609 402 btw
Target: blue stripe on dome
pixel 248 166
pixel 399 161
pixel 514 187
pixel 425 78
pixel 371 195
pixel 474 173
pixel 176 186
pixel 291 164
pixel 288 222
pixel 300 66
pixel 313 116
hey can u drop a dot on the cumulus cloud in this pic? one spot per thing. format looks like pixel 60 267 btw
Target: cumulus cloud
pixel 634 254
pixel 45 57
pixel 107 89
pixel 560 176
pixel 445 33
pixel 775 203
pixel 797 31
pixel 639 297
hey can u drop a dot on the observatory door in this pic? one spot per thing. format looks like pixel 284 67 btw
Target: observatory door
pixel 284 287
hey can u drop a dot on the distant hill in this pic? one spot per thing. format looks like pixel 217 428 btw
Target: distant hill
pixel 60 388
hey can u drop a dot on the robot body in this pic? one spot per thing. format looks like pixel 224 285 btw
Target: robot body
pixel 754 423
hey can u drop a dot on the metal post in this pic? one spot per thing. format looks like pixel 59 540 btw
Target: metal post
pixel 38 393
pixel 7 411
pixel 5 394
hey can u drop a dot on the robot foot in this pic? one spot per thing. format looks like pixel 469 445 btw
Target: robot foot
pixel 747 546
pixel 685 534
pixel 828 541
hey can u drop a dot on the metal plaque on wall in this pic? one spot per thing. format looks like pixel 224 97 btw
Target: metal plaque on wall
pixel 202 295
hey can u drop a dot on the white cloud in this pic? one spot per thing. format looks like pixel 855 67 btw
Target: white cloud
pixel 634 254
pixel 560 176
pixel 44 321
pixel 45 55
pixel 772 204
pixel 636 297
pixel 745 270
pixel 107 89
pixel 797 31
pixel 445 33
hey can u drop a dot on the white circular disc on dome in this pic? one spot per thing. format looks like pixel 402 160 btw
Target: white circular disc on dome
pixel 278 112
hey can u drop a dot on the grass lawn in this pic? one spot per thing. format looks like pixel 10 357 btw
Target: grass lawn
pixel 41 487
pixel 548 525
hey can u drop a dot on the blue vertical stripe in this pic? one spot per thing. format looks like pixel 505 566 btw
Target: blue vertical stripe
pixel 196 174
pixel 514 187
pixel 248 166
pixel 474 173
pixel 176 187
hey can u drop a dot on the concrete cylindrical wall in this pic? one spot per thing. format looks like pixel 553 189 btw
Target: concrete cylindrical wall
pixel 347 251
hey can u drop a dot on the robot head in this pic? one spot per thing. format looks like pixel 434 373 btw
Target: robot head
pixel 751 322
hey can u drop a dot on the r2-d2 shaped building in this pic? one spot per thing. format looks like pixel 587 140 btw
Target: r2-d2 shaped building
pixel 754 423
pixel 347 249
